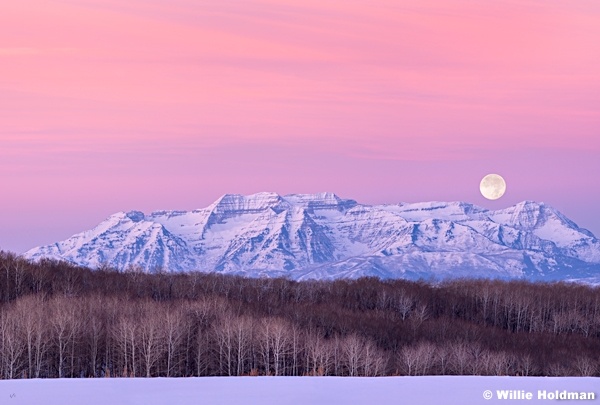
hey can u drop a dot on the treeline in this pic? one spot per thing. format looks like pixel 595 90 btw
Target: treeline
pixel 60 320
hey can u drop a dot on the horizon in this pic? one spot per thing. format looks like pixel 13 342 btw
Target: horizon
pixel 162 211
pixel 485 204
pixel 110 107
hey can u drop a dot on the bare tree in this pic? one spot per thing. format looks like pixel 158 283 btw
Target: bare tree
pixel 29 315
pixel 12 345
pixel 150 337
pixel 459 357
pixel 404 305
pixel 418 359
pixel 263 336
pixel 280 345
pixel 173 332
pixel 409 360
pixel 201 312
pixel 319 354
pixel 296 336
pixel 224 335
pixel 526 365
pixel 585 367
pixel 352 352
pixel 65 324
pixel 125 332
pixel 373 360
pixel 443 355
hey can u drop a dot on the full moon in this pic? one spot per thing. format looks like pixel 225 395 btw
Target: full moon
pixel 492 186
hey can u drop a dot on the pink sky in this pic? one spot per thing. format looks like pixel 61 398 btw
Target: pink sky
pixel 109 105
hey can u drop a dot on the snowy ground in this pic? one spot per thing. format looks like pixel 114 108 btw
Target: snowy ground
pixel 286 390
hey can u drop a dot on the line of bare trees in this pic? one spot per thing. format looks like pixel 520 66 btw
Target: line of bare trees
pixel 59 320
pixel 98 336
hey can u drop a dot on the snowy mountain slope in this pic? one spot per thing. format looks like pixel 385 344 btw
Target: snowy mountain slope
pixel 323 236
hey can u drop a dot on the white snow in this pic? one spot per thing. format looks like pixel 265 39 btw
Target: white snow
pixel 257 234
pixel 447 390
pixel 554 230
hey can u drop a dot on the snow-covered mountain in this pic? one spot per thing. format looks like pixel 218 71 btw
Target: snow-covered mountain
pixel 322 236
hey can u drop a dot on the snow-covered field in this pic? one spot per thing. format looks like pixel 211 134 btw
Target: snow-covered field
pixel 445 390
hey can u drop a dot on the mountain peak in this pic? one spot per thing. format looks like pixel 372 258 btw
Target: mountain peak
pixel 530 204
pixel 229 203
pixel 319 200
pixel 135 216
pixel 526 214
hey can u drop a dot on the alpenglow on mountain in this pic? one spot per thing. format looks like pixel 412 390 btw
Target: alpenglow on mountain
pixel 321 236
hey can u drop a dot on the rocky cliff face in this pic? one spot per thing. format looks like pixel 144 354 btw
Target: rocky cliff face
pixel 324 236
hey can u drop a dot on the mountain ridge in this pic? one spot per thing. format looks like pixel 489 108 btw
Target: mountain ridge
pixel 305 236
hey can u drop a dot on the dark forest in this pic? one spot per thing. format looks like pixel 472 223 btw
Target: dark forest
pixel 60 320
